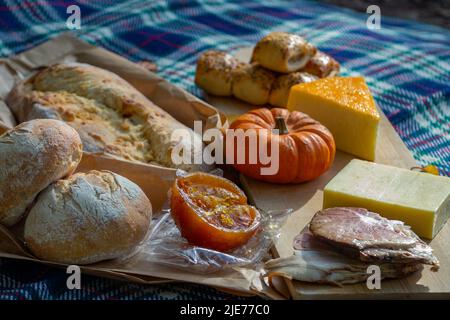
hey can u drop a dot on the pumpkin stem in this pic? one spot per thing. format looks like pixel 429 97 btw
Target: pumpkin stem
pixel 280 124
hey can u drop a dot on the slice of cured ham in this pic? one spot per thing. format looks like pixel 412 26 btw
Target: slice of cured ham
pixel 341 243
pixel 360 233
pixel 316 261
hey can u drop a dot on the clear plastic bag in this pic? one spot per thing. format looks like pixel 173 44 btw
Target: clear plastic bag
pixel 167 246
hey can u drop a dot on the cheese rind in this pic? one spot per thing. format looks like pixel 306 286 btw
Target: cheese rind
pixel 346 107
pixel 421 200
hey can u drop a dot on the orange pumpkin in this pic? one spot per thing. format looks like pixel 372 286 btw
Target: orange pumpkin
pixel 306 148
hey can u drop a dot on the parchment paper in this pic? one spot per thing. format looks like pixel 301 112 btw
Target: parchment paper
pixel 154 180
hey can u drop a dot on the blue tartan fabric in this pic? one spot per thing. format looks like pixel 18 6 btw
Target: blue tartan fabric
pixel 406 64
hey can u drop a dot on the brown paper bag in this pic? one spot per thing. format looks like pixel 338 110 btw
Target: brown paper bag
pixel 154 180
pixel 185 107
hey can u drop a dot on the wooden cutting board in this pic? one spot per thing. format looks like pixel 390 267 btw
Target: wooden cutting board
pixel 306 199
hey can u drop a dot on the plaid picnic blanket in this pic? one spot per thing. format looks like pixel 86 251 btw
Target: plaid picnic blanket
pixel 406 64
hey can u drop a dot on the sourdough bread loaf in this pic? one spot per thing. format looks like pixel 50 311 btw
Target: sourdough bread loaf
pixel 88 217
pixel 110 115
pixel 33 155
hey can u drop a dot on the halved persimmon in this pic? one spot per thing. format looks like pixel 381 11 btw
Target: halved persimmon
pixel 212 212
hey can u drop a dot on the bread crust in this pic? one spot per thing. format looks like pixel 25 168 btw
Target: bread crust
pixel 33 155
pixel 111 116
pixel 88 217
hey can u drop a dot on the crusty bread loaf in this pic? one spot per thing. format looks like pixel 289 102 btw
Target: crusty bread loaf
pixel 283 52
pixel 33 155
pixel 214 72
pixel 252 83
pixel 87 218
pixel 110 115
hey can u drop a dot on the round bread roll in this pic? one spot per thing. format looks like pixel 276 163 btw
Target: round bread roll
pixel 283 52
pixel 322 66
pixel 33 155
pixel 252 83
pixel 87 218
pixel 282 86
pixel 214 72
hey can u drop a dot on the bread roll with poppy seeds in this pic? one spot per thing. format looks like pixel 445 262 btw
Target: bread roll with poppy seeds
pixel 252 83
pixel 214 72
pixel 322 66
pixel 283 52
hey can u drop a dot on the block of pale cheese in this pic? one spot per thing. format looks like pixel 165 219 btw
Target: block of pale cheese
pixel 346 107
pixel 419 199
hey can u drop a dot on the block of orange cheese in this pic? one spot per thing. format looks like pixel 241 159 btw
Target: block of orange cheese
pixel 346 107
